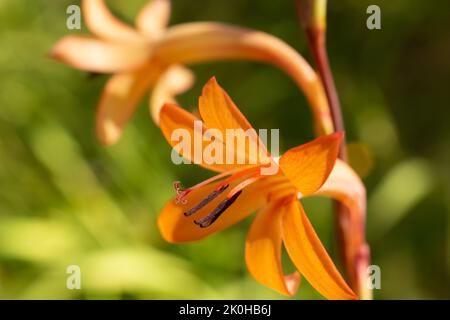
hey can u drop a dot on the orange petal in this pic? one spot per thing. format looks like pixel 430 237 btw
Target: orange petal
pixel 100 56
pixel 174 118
pixel 344 185
pixel 309 255
pixel 175 227
pixel 119 100
pixel 175 80
pixel 102 23
pixel 219 111
pixel 309 165
pixel 263 251
pixel 154 17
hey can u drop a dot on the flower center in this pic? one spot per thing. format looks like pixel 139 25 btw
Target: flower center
pixel 250 176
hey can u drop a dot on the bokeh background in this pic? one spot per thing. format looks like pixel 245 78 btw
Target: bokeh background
pixel 64 199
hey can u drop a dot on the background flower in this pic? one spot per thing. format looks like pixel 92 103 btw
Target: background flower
pixel 139 56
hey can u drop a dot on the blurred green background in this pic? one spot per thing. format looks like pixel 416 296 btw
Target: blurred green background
pixel 64 199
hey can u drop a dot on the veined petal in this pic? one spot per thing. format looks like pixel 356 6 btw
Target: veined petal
pixel 100 56
pixel 174 119
pixel 154 17
pixel 207 41
pixel 176 227
pixel 219 111
pixel 119 99
pixel 309 165
pixel 309 255
pixel 101 22
pixel 175 80
pixel 263 251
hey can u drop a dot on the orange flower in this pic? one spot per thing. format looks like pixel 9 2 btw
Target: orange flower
pixel 150 56
pixel 206 208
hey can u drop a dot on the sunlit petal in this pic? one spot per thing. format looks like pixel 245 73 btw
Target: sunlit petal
pixel 344 185
pixel 309 165
pixel 101 22
pixel 119 100
pixel 309 256
pixel 154 17
pixel 175 80
pixel 263 251
pixel 219 111
pixel 100 56
pixel 175 119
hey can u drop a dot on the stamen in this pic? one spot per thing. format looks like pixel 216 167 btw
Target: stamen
pixel 234 174
pixel 245 183
pixel 239 174
pixel 205 201
pixel 209 219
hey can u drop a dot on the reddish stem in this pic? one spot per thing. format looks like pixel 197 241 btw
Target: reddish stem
pixel 354 251
pixel 317 43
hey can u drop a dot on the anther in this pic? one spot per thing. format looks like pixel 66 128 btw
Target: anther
pixel 205 201
pixel 217 212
